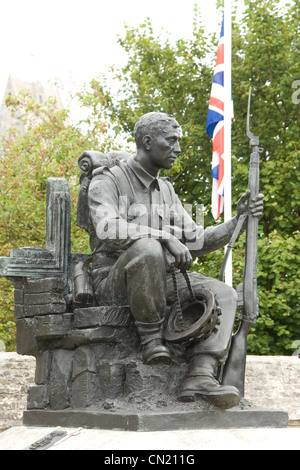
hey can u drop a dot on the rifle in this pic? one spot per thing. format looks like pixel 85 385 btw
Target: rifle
pixel 234 369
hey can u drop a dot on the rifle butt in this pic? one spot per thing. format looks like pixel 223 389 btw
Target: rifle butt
pixel 235 366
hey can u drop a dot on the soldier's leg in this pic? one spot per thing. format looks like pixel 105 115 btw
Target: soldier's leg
pixel 206 355
pixel 138 279
pixel 218 343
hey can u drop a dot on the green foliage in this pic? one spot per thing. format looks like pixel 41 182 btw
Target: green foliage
pixel 176 77
pixel 266 54
pixel 279 284
pixel 50 147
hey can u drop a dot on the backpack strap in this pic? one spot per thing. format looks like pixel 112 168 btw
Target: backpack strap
pixel 123 181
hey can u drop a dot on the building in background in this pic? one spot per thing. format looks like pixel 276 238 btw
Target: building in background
pixel 37 90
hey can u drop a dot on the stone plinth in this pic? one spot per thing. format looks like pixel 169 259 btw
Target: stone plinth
pixel 273 382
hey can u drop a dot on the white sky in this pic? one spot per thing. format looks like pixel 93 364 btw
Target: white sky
pixel 76 41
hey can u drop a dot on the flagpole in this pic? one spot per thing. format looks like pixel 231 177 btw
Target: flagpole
pixel 227 124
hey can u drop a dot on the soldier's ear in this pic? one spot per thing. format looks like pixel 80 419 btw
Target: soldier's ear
pixel 147 142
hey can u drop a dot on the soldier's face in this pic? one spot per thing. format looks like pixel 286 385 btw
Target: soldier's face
pixel 165 147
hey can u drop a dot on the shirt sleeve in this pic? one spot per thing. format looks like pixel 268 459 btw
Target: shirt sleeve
pixel 215 237
pixel 198 240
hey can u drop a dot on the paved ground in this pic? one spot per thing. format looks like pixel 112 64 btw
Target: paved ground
pixel 20 437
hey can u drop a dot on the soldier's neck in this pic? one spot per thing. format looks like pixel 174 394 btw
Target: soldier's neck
pixel 147 164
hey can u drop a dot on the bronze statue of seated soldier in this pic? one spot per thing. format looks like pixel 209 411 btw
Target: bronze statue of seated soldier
pixel 143 243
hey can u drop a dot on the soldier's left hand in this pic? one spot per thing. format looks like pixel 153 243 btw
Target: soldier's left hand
pixel 255 205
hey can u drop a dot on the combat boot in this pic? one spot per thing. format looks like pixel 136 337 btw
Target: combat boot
pixel 153 349
pixel 201 382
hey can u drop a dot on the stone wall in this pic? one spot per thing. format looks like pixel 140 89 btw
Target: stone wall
pixel 274 382
pixel 16 375
pixel 271 382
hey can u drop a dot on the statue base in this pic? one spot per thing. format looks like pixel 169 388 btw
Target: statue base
pixel 159 420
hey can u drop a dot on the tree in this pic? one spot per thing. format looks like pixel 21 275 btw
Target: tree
pixel 266 52
pixel 176 78
pixel 49 147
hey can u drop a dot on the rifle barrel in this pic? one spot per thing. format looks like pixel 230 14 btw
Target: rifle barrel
pixel 250 273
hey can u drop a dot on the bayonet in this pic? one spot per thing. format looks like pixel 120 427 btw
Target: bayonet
pixel 254 140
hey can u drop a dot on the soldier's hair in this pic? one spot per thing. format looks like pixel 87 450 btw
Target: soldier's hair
pixel 152 124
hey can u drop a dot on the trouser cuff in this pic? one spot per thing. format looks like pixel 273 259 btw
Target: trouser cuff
pixel 150 331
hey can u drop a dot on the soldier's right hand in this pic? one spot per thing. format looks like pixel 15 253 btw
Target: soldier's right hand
pixel 183 258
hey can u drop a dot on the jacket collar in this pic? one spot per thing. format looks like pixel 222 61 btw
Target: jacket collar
pixel 146 179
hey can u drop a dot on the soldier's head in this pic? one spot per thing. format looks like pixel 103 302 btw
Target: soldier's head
pixel 157 136
pixel 153 124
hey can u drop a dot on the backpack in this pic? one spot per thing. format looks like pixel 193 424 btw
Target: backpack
pixel 91 165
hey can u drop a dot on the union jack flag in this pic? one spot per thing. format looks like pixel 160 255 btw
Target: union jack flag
pixel 215 129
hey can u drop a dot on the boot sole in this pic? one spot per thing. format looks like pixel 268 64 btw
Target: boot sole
pixel 224 401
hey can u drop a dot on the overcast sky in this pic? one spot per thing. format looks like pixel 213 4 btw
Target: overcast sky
pixel 76 40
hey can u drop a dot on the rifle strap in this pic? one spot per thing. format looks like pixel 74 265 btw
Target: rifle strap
pixel 233 239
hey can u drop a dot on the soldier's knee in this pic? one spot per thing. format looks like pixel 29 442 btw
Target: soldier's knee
pixel 149 249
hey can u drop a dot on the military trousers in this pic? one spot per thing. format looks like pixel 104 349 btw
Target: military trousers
pixel 140 279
